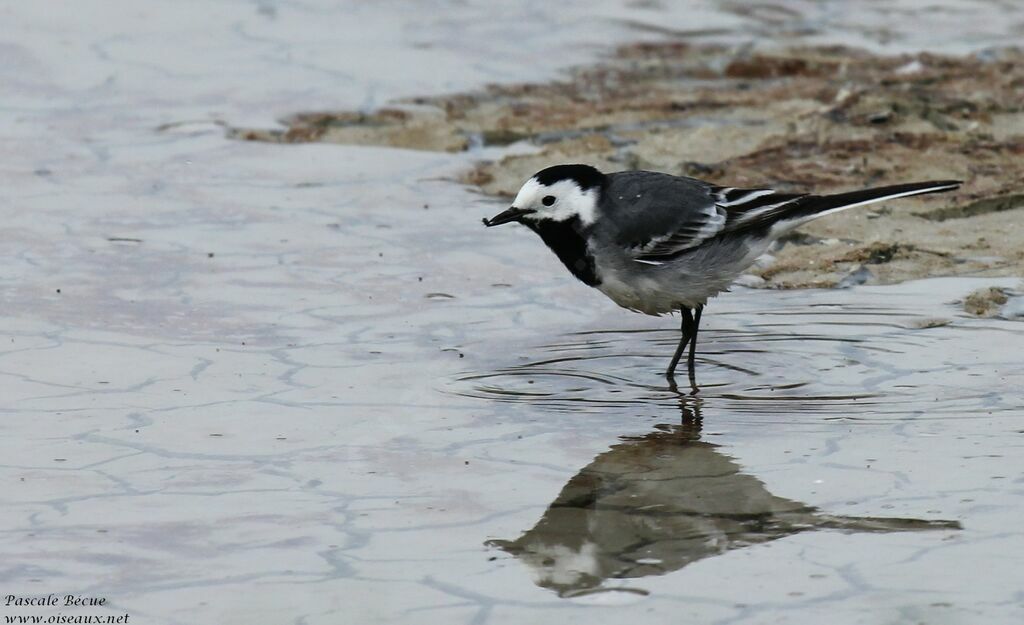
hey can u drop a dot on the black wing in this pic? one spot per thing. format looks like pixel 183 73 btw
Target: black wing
pixel 660 216
pixel 656 215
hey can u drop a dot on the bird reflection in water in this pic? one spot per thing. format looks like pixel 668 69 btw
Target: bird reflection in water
pixel 653 504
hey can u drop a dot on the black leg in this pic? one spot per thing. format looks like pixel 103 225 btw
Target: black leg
pixel 693 339
pixel 686 328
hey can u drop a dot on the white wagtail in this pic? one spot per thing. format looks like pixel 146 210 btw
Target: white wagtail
pixel 656 243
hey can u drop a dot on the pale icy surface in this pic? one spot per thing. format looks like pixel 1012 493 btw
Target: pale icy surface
pixel 259 384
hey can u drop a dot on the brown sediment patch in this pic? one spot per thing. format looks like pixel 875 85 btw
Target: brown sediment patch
pixel 985 302
pixel 825 118
pixel 423 129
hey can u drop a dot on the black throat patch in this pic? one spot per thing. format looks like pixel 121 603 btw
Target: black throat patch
pixel 569 245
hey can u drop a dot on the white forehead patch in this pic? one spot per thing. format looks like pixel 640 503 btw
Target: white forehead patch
pixel 528 194
pixel 570 201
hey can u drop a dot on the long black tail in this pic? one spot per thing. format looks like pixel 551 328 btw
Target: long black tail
pixel 818 205
pixel 790 213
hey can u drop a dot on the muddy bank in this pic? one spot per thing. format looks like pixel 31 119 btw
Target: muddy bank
pixel 822 118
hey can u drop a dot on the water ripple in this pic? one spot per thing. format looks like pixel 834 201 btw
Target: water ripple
pixel 870 362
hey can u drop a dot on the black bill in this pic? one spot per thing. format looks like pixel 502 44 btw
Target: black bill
pixel 505 216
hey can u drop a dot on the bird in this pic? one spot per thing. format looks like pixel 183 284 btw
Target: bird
pixel 657 243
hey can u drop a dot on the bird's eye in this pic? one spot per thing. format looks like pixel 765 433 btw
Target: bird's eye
pixel 548 200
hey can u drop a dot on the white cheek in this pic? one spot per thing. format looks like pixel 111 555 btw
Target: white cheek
pixel 571 202
pixel 588 212
pixel 583 205
pixel 559 212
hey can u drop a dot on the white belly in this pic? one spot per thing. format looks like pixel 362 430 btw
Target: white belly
pixel 686 282
pixel 653 296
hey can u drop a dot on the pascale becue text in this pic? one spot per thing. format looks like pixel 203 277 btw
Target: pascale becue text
pixel 52 600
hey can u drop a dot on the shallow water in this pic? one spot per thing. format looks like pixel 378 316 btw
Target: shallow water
pixel 250 383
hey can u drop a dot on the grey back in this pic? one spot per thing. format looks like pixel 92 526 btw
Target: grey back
pixel 638 207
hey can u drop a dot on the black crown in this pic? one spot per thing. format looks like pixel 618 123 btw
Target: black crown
pixel 585 176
